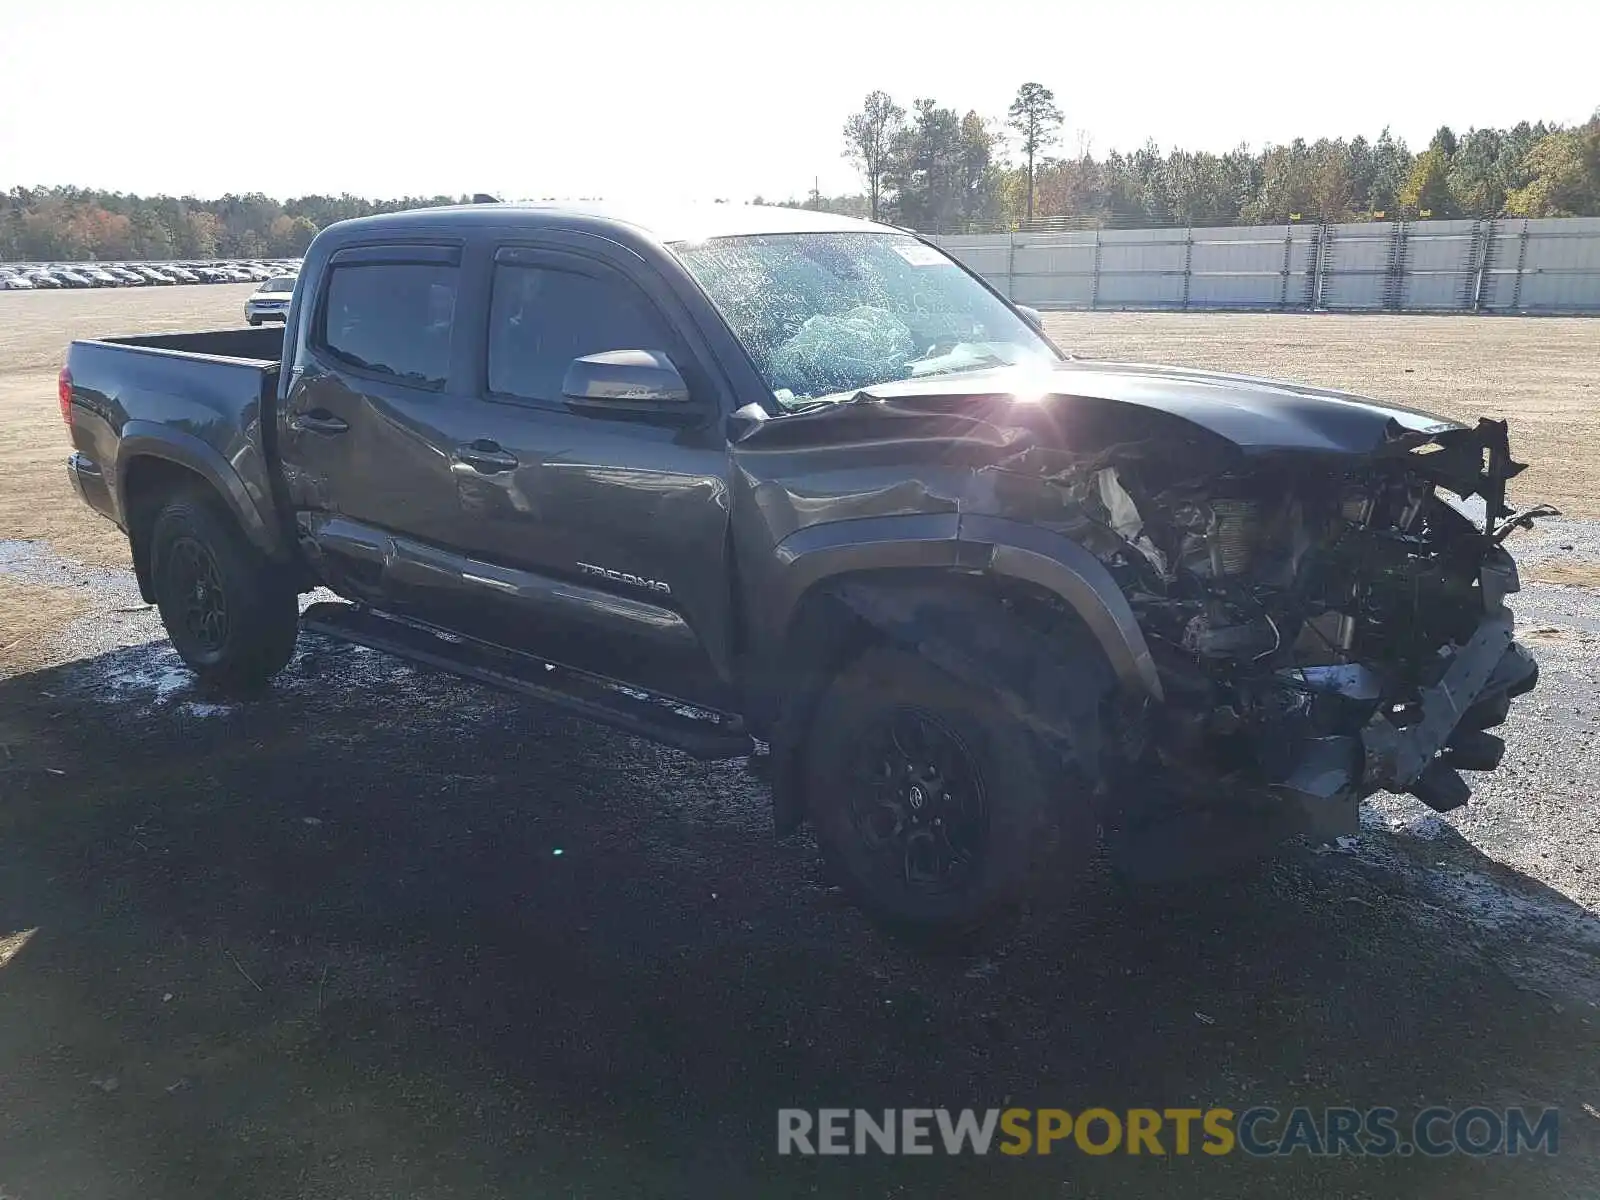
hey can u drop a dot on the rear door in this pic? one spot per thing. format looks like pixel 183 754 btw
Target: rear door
pixel 358 429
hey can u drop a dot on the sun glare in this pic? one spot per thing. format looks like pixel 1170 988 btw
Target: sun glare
pixel 11 945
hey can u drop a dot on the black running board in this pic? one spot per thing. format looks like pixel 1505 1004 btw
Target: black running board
pixel 662 719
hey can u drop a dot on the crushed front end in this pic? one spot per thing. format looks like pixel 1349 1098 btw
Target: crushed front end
pixel 1324 626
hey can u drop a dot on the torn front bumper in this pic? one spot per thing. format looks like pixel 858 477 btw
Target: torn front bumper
pixel 1442 733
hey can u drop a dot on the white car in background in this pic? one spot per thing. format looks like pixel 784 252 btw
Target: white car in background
pixel 15 283
pixel 270 302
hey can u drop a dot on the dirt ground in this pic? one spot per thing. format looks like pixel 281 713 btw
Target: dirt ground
pixel 379 933
pixel 35 498
pixel 1541 375
pixel 31 614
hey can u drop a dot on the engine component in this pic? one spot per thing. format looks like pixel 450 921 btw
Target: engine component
pixel 1474 750
pixel 1213 635
pixel 1351 680
pixel 1440 787
pixel 1235 529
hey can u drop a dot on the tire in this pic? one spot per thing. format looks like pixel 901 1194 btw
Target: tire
pixel 232 615
pixel 987 809
pixel 254 321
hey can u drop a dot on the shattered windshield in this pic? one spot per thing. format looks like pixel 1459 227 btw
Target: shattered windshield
pixel 824 315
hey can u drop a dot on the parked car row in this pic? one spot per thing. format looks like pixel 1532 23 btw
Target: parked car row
pixel 28 276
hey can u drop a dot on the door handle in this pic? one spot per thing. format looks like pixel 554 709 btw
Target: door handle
pixel 318 420
pixel 486 457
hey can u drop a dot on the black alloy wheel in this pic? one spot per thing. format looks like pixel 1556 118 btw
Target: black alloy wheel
pixel 231 612
pixel 933 805
pixel 193 575
pixel 918 802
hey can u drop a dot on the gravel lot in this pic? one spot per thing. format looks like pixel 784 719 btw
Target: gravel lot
pixel 384 934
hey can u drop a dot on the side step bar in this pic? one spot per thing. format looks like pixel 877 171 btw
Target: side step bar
pixel 715 735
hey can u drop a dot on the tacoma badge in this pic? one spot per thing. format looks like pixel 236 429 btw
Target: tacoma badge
pixel 653 585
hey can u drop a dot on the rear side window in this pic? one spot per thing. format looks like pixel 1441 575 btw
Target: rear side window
pixel 541 318
pixel 391 318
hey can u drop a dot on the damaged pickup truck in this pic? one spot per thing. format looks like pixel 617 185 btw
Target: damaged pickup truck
pixel 739 475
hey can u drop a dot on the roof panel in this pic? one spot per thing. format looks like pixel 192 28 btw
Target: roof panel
pixel 664 223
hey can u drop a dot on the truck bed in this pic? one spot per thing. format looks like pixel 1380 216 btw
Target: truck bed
pixel 202 401
pixel 263 346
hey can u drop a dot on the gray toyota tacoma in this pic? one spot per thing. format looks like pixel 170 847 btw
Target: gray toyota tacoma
pixel 774 483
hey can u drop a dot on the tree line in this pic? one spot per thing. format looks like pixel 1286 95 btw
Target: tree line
pixel 936 171
pixel 932 168
pixel 71 224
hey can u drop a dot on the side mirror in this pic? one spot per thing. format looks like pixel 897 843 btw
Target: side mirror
pixel 625 381
pixel 1031 315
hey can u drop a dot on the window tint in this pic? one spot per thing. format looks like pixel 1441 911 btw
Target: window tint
pixel 392 317
pixel 541 319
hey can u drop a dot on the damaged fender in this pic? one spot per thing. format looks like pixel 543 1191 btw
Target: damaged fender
pixel 976 544
pixel 903 576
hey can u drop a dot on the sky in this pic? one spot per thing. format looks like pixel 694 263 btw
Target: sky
pixel 700 100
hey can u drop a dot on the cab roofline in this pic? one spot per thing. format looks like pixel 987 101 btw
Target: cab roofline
pixel 664 223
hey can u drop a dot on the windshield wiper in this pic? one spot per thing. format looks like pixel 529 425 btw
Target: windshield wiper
pixel 977 362
pixel 832 399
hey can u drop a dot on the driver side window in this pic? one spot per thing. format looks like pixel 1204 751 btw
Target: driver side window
pixel 541 318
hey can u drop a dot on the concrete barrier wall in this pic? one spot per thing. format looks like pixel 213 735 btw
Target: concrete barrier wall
pixel 1511 265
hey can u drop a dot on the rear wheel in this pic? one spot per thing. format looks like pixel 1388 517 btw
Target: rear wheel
pixel 929 800
pixel 253 320
pixel 232 614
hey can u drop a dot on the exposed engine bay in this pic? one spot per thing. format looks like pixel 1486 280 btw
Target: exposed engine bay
pixel 1322 628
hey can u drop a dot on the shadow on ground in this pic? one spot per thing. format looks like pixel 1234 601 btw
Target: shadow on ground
pixel 379 934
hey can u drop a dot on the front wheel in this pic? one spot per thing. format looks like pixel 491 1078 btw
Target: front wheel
pixel 929 799
pixel 254 321
pixel 232 615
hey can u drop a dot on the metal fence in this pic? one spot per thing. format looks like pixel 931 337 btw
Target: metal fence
pixel 1502 265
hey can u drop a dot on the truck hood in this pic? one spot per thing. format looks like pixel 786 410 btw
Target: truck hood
pixel 1046 422
pixel 1253 414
